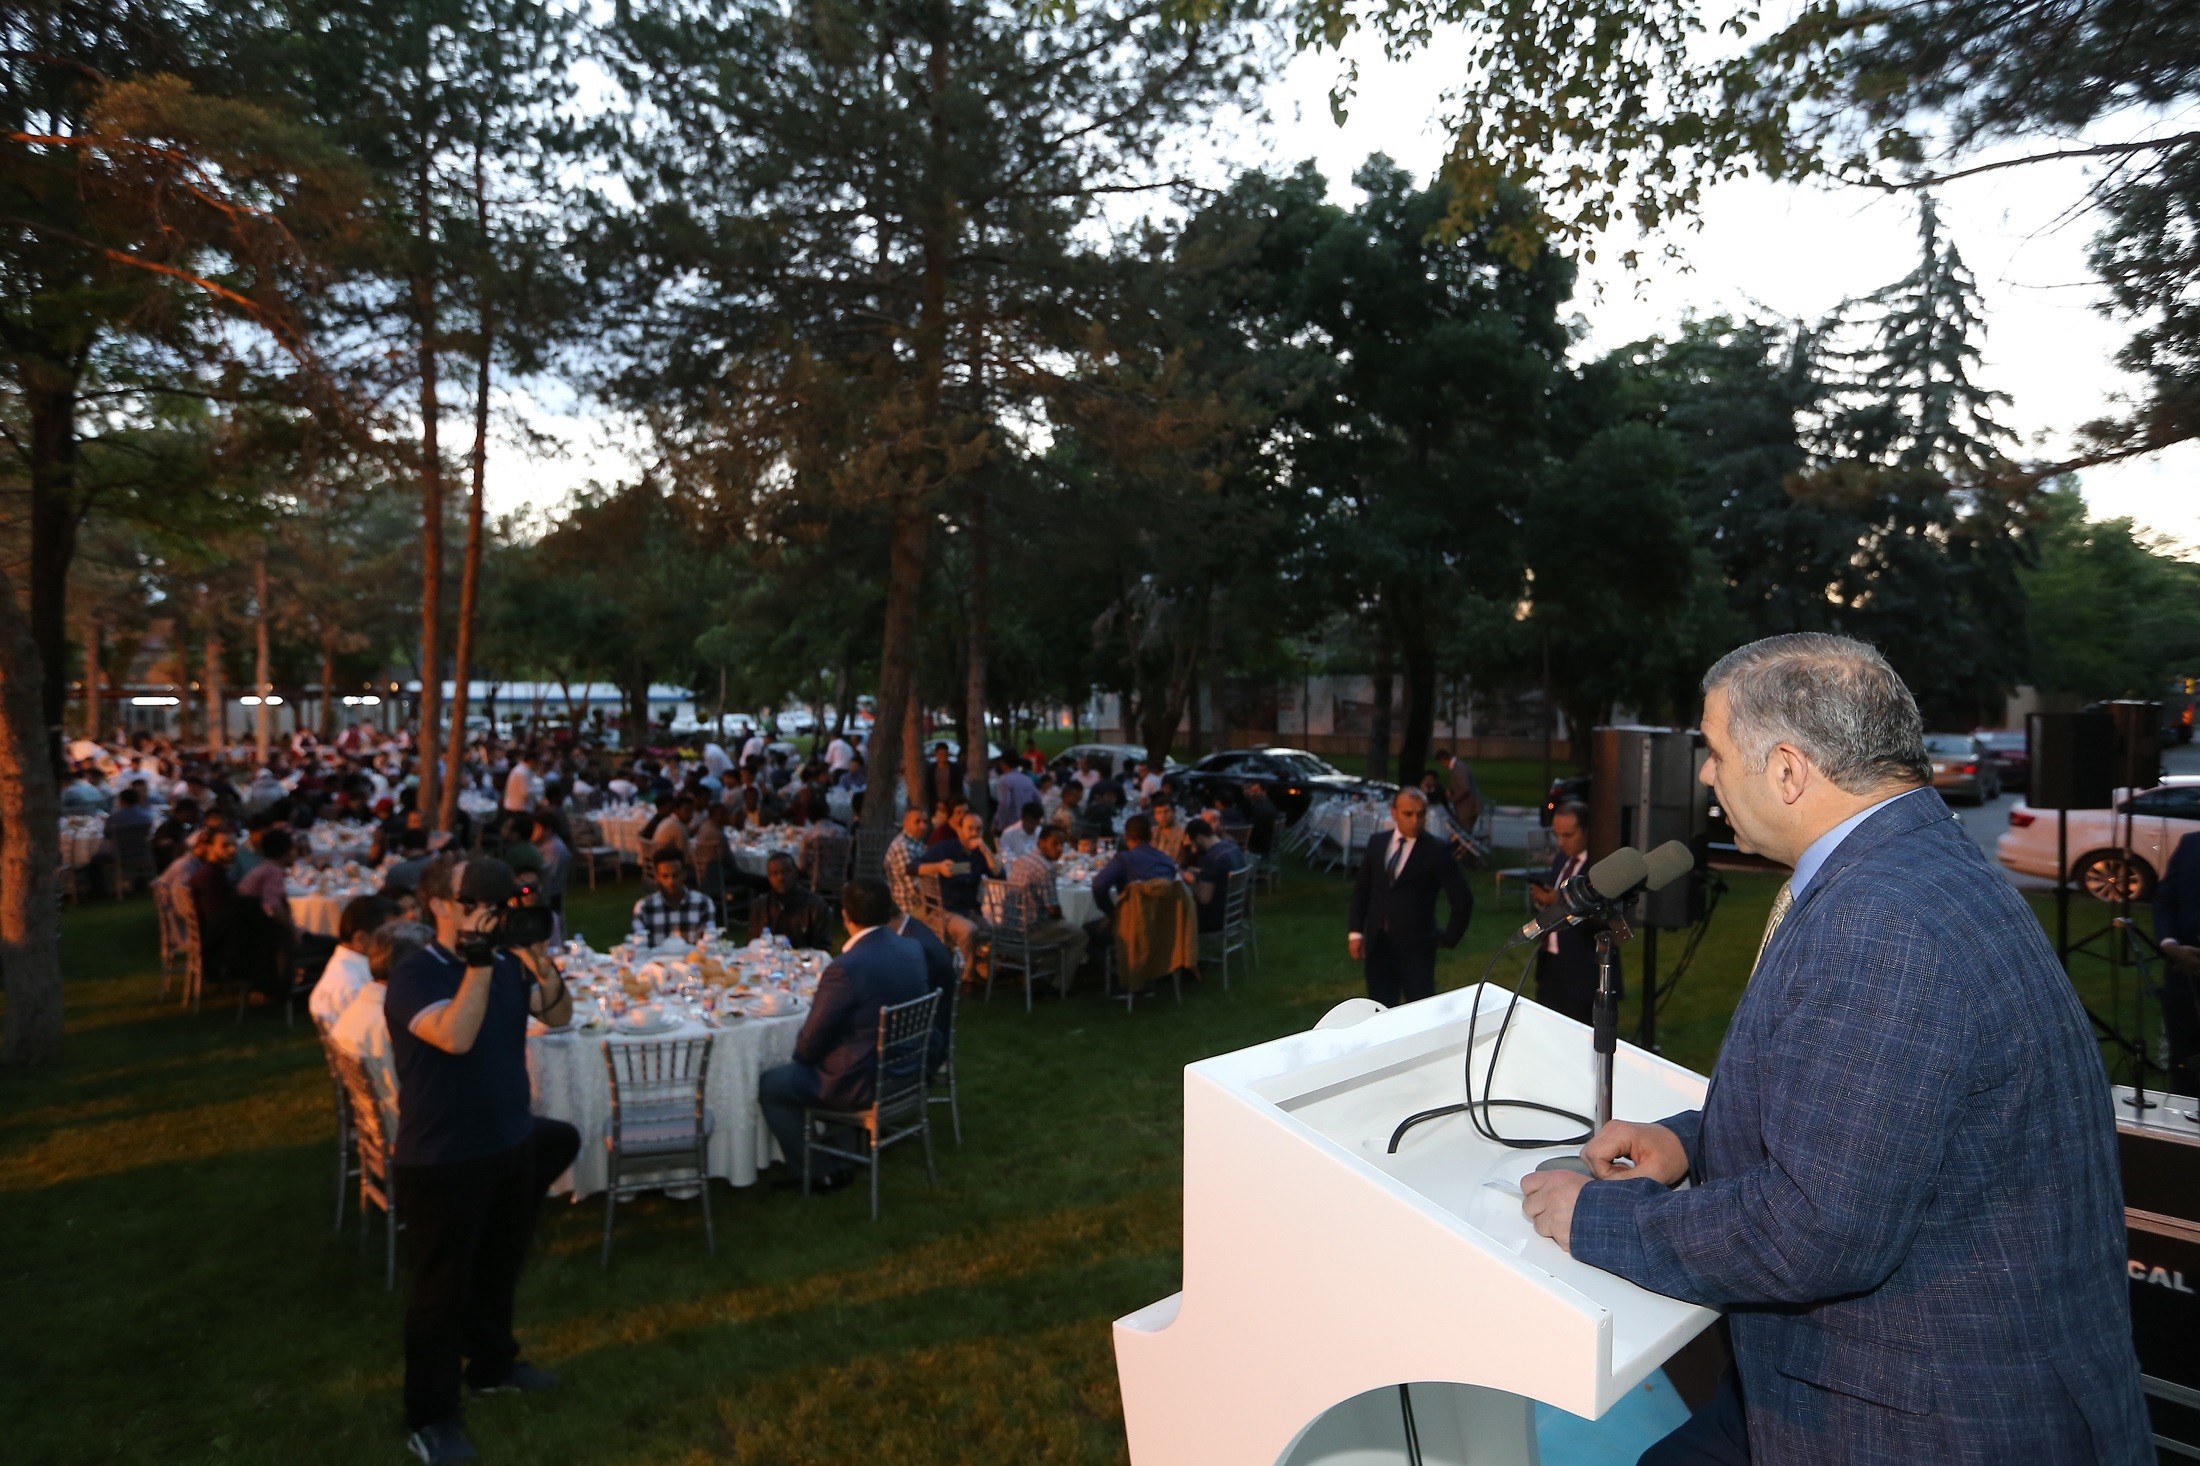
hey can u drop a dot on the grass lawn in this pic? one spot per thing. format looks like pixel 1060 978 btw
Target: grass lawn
pixel 174 1291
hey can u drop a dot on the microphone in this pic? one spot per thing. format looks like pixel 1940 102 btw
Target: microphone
pixel 1611 881
pixel 1597 889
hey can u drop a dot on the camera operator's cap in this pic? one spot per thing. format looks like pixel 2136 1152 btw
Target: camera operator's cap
pixel 487 881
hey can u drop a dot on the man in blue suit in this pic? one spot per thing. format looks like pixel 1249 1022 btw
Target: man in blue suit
pixel 1905 1184
pixel 836 1054
pixel 2177 928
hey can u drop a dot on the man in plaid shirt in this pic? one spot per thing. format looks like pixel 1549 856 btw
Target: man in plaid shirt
pixel 1031 882
pixel 903 858
pixel 672 910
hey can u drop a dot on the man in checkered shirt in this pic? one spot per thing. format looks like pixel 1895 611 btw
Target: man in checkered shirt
pixel 1031 878
pixel 902 859
pixel 672 910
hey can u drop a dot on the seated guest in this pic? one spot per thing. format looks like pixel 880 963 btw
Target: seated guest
pixel 903 857
pixel 1069 810
pixel 672 910
pixel 1031 879
pixel 209 892
pixel 264 942
pixel 1024 834
pixel 130 831
pixel 707 846
pixel 346 972
pixel 403 878
pixel 1168 835
pixel 173 834
pixel 667 829
pixel 1096 820
pixel 1136 861
pixel 962 861
pixel 361 1030
pixel 836 1054
pixel 1210 858
pixel 939 976
pixel 84 793
pixel 790 909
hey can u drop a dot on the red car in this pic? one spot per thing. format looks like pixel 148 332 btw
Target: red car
pixel 2011 753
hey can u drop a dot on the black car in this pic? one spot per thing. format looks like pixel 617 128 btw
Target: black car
pixel 1293 777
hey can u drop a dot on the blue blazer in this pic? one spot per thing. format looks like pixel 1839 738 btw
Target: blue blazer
pixel 2177 894
pixel 1906 1192
pixel 840 1038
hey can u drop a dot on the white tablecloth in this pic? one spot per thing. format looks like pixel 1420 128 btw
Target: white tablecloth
pixel 1075 899
pixel 81 836
pixel 621 827
pixel 572 1083
pixel 323 913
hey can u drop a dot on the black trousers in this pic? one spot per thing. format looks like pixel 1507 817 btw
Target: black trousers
pixel 1397 973
pixel 469 1224
pixel 1568 985
pixel 2181 1026
pixel 1716 1435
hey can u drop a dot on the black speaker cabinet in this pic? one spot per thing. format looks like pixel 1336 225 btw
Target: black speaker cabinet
pixel 2073 760
pixel 2137 760
pixel 1645 790
pixel 2160 1151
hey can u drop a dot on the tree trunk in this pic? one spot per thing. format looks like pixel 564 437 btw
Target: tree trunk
pixel 841 699
pixel 897 706
pixel 30 850
pixel 217 707
pixel 91 678
pixel 54 523
pixel 469 584
pixel 261 686
pixel 1218 712
pixel 431 502
pixel 1418 653
pixel 1378 738
pixel 176 636
pixel 328 687
pixel 637 715
pixel 978 632
pixel 912 751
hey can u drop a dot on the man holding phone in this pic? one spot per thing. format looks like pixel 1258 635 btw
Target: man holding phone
pixel 471 1159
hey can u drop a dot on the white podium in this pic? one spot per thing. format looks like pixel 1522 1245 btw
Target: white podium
pixel 1321 1273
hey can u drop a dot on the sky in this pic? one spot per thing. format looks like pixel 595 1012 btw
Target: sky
pixel 1787 250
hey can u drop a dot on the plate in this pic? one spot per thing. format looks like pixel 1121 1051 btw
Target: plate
pixel 658 1025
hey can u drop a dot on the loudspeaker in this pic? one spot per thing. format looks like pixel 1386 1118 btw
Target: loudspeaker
pixel 2073 760
pixel 1644 790
pixel 2137 761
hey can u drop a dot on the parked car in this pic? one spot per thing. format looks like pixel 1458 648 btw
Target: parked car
pixel 1293 777
pixel 2011 752
pixel 1567 789
pixel 1962 768
pixel 2099 862
pixel 1109 758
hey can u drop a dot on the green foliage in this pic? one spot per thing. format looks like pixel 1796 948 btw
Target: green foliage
pixel 2113 615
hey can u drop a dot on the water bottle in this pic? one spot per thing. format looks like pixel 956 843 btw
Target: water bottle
pixel 767 936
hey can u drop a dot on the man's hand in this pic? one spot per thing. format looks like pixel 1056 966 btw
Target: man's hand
pixel 1541 894
pixel 1547 1200
pixel 1356 945
pixel 2182 957
pixel 1653 1150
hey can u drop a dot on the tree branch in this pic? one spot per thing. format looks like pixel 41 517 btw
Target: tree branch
pixel 2102 150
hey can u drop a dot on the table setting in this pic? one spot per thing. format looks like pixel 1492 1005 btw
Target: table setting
pixel 81 836
pixel 330 842
pixel 750 999
pixel 318 896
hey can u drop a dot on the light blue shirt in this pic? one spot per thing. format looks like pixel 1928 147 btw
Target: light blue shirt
pixel 1808 863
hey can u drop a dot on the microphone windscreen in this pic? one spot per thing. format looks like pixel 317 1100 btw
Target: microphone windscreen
pixel 1668 863
pixel 1618 873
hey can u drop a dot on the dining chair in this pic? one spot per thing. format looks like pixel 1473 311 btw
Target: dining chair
pixel 659 1131
pixel 900 1108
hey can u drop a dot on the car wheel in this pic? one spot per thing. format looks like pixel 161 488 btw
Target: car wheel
pixel 2101 873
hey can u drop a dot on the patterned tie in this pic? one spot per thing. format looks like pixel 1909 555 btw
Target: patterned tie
pixel 1397 858
pixel 1781 901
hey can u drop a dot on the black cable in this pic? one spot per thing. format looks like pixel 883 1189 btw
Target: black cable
pixel 1478 1110
pixel 1663 991
pixel 1413 1431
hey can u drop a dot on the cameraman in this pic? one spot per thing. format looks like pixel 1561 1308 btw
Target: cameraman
pixel 472 1161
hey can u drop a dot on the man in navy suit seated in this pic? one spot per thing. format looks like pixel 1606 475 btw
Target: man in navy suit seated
pixel 2177 928
pixel 836 1055
pixel 1905 1184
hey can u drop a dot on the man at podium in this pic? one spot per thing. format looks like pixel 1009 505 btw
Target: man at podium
pixel 1905 1190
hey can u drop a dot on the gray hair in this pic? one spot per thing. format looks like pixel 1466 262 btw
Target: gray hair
pixel 1834 698
pixel 391 943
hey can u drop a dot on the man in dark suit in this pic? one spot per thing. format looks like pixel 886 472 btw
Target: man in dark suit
pixel 2177 928
pixel 1566 959
pixel 1394 905
pixel 1905 1184
pixel 836 1054
pixel 939 976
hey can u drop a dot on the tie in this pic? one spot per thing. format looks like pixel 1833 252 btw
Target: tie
pixel 1781 901
pixel 1397 858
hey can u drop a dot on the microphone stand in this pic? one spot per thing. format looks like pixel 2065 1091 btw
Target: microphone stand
pixel 1604 1016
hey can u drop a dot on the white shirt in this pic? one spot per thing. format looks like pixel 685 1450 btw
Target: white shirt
pixel 1150 785
pixel 855 935
pixel 838 755
pixel 519 787
pixel 363 1032
pixel 1016 840
pixel 754 748
pixel 1088 778
pixel 341 980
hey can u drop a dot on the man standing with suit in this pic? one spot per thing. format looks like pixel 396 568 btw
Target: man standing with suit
pixel 1394 905
pixel 836 1055
pixel 2177 928
pixel 1905 1183
pixel 1566 959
